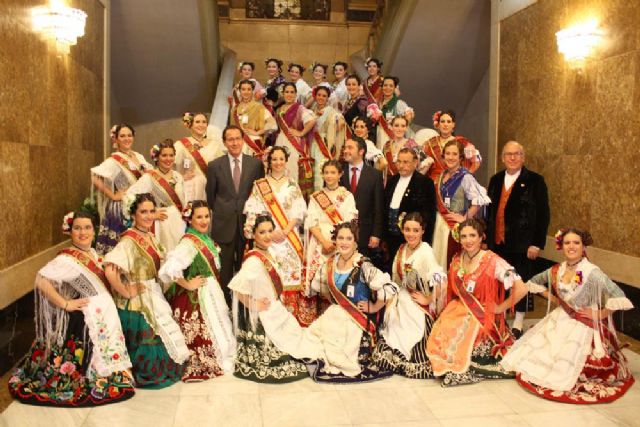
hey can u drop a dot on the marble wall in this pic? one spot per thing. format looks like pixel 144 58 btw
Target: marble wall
pixel 580 130
pixel 51 127
pixel 300 43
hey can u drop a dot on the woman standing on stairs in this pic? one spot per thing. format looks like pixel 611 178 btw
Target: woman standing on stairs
pixel 193 153
pixel 254 119
pixel 112 178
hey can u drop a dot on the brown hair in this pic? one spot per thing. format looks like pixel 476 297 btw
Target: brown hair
pixel 350 225
pixel 584 235
pixel 457 144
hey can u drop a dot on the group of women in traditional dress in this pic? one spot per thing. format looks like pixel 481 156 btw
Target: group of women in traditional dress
pixel 145 308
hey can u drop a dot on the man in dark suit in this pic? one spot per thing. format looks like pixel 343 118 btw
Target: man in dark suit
pixel 229 181
pixel 408 191
pixel 365 183
pixel 518 218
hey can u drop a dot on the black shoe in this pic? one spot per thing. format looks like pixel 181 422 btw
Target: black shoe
pixel 517 333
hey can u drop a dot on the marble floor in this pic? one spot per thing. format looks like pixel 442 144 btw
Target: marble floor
pixel 228 401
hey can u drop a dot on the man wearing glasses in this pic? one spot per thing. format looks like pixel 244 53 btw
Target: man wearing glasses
pixel 518 219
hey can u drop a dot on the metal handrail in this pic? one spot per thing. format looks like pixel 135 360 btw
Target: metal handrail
pixel 220 108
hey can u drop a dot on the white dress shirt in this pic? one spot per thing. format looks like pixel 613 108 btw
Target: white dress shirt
pixel 401 187
pixel 509 179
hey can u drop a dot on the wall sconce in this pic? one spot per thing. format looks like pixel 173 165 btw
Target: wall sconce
pixel 576 43
pixel 59 22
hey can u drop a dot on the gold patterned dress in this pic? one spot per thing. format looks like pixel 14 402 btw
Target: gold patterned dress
pixel 284 205
pixel 154 340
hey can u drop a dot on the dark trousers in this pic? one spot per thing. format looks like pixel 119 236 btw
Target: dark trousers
pixel 231 254
pixel 524 267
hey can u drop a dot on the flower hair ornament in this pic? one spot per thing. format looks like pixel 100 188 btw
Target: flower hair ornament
pixel 127 202
pixel 400 219
pixel 112 132
pixel 67 223
pixel 436 118
pixel 187 119
pixel 455 232
pixel 155 153
pixel 113 136
pixel 187 212
pixel 558 238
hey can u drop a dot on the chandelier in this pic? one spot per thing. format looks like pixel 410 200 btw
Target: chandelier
pixel 60 23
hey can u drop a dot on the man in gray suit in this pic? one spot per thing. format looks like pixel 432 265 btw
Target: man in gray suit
pixel 229 181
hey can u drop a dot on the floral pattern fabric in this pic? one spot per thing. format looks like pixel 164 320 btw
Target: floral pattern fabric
pixel 60 377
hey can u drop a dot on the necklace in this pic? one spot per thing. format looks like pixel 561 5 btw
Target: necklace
pixel 345 261
pixel 572 265
pixel 81 249
pixel 261 248
pixel 278 179
pixel 471 257
pixel 334 188
pixel 140 230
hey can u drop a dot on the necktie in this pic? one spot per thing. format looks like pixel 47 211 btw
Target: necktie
pixel 354 179
pixel 236 174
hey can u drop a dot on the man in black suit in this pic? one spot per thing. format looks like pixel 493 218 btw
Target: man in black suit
pixel 366 185
pixel 408 191
pixel 518 218
pixel 230 179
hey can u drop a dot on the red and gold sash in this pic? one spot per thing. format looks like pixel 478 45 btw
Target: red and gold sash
pixel 322 145
pixel 204 250
pixel 399 256
pixel 164 184
pixel 85 260
pixel 501 341
pixel 373 92
pixel 303 150
pixel 385 127
pixel 236 99
pixel 145 244
pixel 256 147
pixel 441 207
pixel 392 169
pixel 341 299
pixel 276 281
pixel 124 163
pixel 200 161
pixel 278 214
pixel 607 334
pixel 328 207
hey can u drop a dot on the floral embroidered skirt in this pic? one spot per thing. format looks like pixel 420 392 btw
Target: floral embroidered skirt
pixel 203 351
pixel 111 226
pixel 152 366
pixel 257 359
pixel 417 366
pixel 58 376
